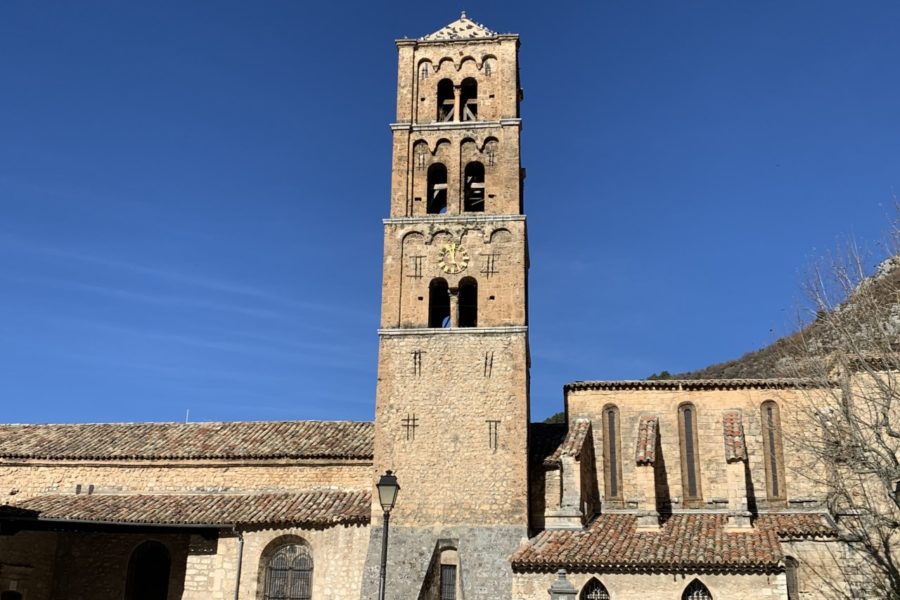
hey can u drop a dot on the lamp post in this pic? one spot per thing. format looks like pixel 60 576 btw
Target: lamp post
pixel 387 495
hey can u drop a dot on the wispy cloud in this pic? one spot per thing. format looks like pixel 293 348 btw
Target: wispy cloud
pixel 176 276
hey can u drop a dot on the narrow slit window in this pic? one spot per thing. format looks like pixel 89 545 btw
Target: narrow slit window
pixel 690 459
pixel 438 304
pixel 437 189
pixel 612 453
pixel 791 567
pixel 772 450
pixel 468 302
pixel 473 196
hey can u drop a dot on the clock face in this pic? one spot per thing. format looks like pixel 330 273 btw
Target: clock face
pixel 454 258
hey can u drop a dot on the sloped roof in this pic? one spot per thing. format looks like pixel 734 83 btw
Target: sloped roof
pixel 573 443
pixel 685 543
pixel 314 507
pixel 463 28
pixel 221 440
pixel 774 383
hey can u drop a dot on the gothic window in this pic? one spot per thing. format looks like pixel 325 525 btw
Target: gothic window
pixel 448 582
pixel 473 191
pixel 468 92
pixel 288 573
pixel 790 573
pixel 437 189
pixel 612 453
pixel 446 100
pixel 696 591
pixel 148 573
pixel 438 303
pixel 468 302
pixel 690 456
pixel 772 451
pixel 594 590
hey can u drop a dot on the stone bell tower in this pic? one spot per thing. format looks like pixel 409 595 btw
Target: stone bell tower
pixel 452 396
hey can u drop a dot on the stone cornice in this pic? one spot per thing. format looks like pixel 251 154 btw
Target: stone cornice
pixel 454 220
pixel 399 332
pixel 456 125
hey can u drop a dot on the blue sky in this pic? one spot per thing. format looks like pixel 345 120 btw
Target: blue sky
pixel 191 193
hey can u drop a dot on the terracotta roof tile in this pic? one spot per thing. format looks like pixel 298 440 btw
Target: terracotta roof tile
pixel 684 543
pixel 733 430
pixel 573 443
pixel 314 507
pixel 645 453
pixel 223 440
pixel 694 384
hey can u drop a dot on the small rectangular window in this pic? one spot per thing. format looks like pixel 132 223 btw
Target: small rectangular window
pixel 448 582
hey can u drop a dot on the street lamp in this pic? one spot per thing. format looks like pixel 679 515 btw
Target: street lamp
pixel 387 495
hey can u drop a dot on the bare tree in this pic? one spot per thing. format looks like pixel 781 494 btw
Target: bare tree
pixel 851 356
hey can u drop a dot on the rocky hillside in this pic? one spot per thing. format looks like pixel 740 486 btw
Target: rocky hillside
pixel 872 313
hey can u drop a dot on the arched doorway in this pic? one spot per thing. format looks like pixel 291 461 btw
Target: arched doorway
pixel 148 573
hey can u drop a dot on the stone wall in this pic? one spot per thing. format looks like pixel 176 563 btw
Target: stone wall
pixel 659 586
pixel 450 470
pixel 710 408
pixel 20 480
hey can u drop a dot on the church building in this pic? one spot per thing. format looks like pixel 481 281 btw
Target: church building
pixel 673 489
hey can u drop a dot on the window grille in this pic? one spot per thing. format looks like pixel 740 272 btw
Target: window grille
pixel 448 582
pixel 289 574
pixel 594 590
pixel 696 591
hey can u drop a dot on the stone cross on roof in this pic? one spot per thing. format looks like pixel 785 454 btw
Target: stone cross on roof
pixel 462 29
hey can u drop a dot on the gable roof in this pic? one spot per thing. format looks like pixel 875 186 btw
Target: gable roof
pixel 463 28
pixel 192 441
pixel 694 543
pixel 320 507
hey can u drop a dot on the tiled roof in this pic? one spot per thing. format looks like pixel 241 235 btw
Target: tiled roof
pixel 315 507
pixel 225 440
pixel 694 384
pixel 685 543
pixel 573 443
pixel 645 452
pixel 733 430
pixel 463 28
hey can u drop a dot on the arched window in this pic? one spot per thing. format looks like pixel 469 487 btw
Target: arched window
pixel 288 573
pixel 473 190
pixel 468 94
pixel 437 189
pixel 790 573
pixel 594 590
pixel 612 453
pixel 148 573
pixel 696 591
pixel 438 303
pixel 446 100
pixel 690 455
pixel 468 302
pixel 772 450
